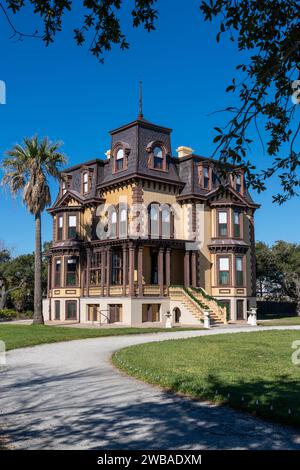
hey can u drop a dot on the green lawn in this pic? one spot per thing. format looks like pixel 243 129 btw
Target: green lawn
pixel 280 321
pixel 20 336
pixel 249 371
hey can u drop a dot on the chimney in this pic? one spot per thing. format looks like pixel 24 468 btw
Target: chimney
pixel 108 154
pixel 184 151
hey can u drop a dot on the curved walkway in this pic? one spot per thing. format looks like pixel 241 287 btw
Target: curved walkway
pixel 69 396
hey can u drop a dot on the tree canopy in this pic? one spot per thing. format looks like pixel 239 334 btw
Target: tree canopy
pixel 266 84
pixel 278 270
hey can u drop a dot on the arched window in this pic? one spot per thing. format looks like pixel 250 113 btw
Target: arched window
pixel 119 159
pixel 154 220
pixel 166 222
pixel 158 158
pixel 85 182
pixel 112 217
pixel 122 222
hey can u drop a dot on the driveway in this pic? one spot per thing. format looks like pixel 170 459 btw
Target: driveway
pixel 69 396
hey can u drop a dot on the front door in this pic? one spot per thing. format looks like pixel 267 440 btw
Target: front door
pixel 240 310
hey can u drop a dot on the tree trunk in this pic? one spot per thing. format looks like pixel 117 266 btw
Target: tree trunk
pixel 3 298
pixel 38 313
pixel 298 308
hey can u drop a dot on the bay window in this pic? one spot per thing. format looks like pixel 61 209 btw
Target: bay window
pixel 239 272
pixel 222 223
pixel 57 273
pixel 72 226
pixel 224 271
pixel 236 224
pixel 71 272
pixel 60 228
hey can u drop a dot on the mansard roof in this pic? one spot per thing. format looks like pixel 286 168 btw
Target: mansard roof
pixel 137 138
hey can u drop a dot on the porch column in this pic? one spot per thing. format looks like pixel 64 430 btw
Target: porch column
pixel 103 262
pixel 194 268
pixel 131 269
pixel 108 273
pixel 161 271
pixel 49 276
pixel 49 286
pixel 140 270
pixel 187 268
pixel 88 273
pixel 124 269
pixel 168 267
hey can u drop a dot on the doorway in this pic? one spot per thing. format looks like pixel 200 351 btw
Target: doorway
pixel 240 310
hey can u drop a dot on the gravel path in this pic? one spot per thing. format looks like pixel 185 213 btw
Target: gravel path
pixel 69 396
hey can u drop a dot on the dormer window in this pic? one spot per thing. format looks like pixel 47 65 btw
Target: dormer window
pixel 85 182
pixel 120 160
pixel 158 158
pixel 120 154
pixel 66 181
pixel 238 182
pixel 64 188
pixel 205 176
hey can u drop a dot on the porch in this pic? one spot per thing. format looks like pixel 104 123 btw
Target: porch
pixel 140 269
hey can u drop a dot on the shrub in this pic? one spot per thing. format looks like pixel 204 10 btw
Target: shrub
pixel 7 314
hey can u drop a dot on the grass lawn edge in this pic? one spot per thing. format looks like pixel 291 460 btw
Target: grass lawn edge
pixel 260 413
pixel 66 334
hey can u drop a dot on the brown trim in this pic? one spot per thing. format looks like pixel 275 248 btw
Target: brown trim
pixel 66 258
pixel 138 194
pixel 187 268
pixel 194 268
pixel 86 171
pixel 227 225
pixel 218 257
pixel 126 151
pixel 141 123
pixel 150 148
pixel 77 236
pixel 57 258
pixel 233 182
pixel 131 269
pixel 201 167
pixel 67 302
pixel 140 270
pixel 241 224
pixel 243 257
pixel 161 271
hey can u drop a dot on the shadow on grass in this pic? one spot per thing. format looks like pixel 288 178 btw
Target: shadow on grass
pixel 277 400
pixel 86 409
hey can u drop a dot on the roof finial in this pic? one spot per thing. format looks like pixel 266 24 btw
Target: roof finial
pixel 140 116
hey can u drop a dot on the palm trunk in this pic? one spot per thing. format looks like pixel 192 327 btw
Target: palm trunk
pixel 38 313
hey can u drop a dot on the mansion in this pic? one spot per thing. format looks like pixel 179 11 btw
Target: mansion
pixel 144 235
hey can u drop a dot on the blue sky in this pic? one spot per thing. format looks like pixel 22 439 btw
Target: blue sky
pixel 63 92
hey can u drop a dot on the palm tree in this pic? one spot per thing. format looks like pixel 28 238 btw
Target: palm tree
pixel 26 169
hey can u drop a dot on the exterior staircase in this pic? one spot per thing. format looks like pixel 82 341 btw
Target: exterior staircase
pixel 196 300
